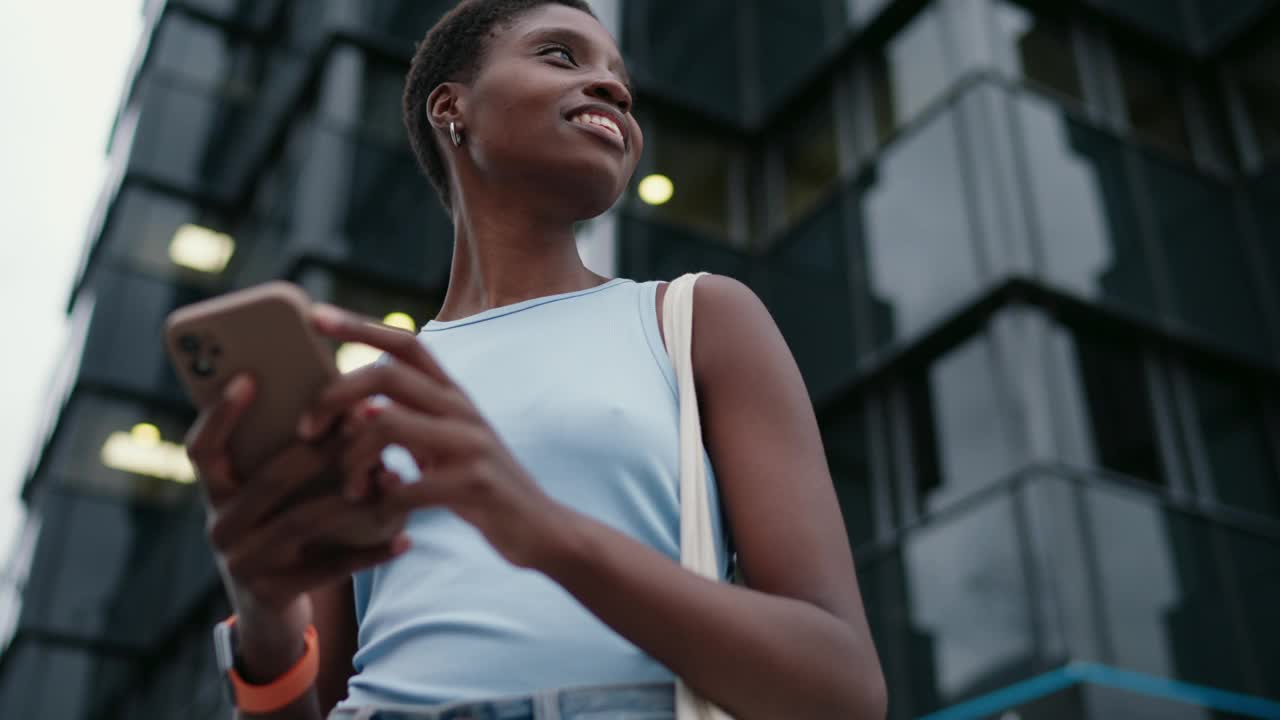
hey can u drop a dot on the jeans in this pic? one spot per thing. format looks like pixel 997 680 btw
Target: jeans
pixel 655 701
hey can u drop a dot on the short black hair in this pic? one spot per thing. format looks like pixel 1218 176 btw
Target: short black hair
pixel 451 52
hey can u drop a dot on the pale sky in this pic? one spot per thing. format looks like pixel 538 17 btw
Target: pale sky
pixel 62 70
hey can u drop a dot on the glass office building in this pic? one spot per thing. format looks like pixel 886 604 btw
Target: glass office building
pixel 1026 255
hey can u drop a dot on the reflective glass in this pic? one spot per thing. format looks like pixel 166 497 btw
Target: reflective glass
pixel 915 217
pixel 1106 383
pixel 657 251
pixel 967 595
pixel 688 52
pixel 1262 193
pixel 805 277
pixel 861 12
pixel 141 229
pixel 846 443
pixel 1154 16
pixel 697 161
pixel 1231 418
pixel 962 442
pixel 1255 563
pixel 42 681
pixel 1087 223
pixel 1198 228
pixel 1153 99
pixel 791 41
pixel 405 20
pixel 910 72
pixel 1162 595
pixel 1040 48
pixel 187 137
pixel 1258 75
pixel 810 156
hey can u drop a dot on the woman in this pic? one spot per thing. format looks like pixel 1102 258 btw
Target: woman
pixel 539 550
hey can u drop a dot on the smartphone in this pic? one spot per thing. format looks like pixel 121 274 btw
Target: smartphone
pixel 264 331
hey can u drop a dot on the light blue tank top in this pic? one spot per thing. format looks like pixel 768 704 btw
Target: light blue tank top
pixel 580 388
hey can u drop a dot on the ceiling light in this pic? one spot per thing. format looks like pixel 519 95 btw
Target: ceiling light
pixel 142 451
pixel 201 249
pixel 404 321
pixel 656 189
pixel 352 356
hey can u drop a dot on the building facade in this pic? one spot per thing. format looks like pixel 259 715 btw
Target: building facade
pixel 1025 253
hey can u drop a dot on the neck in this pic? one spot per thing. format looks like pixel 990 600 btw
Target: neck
pixel 505 253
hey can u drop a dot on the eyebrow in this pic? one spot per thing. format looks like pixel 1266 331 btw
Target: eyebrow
pixel 577 39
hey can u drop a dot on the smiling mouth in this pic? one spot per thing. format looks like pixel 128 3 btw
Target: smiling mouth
pixel 601 126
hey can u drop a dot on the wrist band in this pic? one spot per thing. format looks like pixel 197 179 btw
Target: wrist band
pixel 283 690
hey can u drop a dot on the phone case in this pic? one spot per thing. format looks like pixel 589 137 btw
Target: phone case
pixel 263 330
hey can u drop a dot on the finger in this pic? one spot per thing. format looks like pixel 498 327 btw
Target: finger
pixel 268 489
pixel 334 566
pixel 404 346
pixel 206 441
pixel 400 383
pixel 330 568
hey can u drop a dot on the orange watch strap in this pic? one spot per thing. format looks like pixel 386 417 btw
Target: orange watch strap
pixel 285 689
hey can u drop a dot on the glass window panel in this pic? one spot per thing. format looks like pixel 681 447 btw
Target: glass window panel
pixel 962 444
pixel 1259 80
pixel 845 439
pixel 688 52
pixel 967 596
pixel 810 156
pixel 792 41
pixel 1151 15
pixel 1040 48
pixel 1084 212
pixel 861 12
pixel 910 72
pixel 657 251
pixel 1105 375
pixel 804 273
pixel 698 162
pixel 1162 595
pixel 187 138
pixel 915 216
pixel 1262 193
pixel 1153 99
pixel 141 229
pixel 1198 228
pixel 1255 564
pixel 405 20
pixel 1231 417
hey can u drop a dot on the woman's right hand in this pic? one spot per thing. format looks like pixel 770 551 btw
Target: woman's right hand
pixel 264 539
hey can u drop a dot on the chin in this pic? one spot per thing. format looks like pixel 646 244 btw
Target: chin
pixel 588 191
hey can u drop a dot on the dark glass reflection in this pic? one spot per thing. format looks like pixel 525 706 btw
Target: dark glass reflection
pixel 1153 99
pixel 404 20
pixel 1083 209
pixel 919 246
pixel 810 156
pixel 1231 418
pixel 1259 80
pixel 658 251
pixel 805 276
pixel 957 421
pixel 1198 229
pixel 847 445
pixel 1040 47
pixel 1255 567
pixel 800 32
pixel 1108 379
pixel 688 52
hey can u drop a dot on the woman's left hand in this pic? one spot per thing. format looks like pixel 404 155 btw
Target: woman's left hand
pixel 465 466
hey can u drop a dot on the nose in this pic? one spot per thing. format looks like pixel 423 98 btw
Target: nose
pixel 612 91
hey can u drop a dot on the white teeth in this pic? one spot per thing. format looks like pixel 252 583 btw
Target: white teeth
pixel 590 119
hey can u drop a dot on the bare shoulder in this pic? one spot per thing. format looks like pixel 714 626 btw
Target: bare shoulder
pixel 723 307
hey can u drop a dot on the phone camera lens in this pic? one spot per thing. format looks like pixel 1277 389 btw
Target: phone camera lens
pixel 189 343
pixel 202 367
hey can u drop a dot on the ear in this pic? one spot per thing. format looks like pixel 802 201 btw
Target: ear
pixel 445 105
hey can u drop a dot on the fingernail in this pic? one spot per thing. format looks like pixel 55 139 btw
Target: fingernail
pixel 236 389
pixel 326 316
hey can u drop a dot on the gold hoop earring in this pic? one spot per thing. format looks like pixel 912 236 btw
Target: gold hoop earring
pixel 453 134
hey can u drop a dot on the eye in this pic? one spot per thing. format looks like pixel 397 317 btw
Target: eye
pixel 560 50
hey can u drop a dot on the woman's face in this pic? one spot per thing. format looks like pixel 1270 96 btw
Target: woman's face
pixel 549 112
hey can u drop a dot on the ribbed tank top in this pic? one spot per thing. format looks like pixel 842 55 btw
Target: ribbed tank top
pixel 580 389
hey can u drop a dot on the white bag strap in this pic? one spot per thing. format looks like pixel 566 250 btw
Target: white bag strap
pixel 697 547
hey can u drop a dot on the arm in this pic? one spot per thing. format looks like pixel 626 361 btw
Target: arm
pixel 796 643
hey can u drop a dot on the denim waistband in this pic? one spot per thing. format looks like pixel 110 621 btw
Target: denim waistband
pixel 650 701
